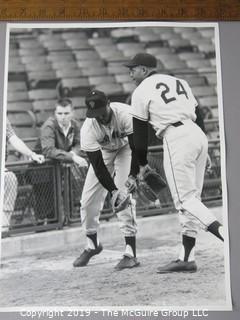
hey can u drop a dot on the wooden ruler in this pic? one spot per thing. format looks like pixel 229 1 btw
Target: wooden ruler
pixel 107 10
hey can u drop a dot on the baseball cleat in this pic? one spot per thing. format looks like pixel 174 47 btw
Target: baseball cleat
pixel 127 263
pixel 178 266
pixel 87 254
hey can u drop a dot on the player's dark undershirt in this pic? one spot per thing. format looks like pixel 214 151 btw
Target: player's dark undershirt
pixel 101 170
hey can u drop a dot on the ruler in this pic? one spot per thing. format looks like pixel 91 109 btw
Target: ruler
pixel 88 10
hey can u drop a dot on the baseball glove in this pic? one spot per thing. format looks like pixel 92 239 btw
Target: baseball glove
pixel 120 200
pixel 150 184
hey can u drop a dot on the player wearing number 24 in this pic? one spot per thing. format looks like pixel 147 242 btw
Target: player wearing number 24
pixel 168 104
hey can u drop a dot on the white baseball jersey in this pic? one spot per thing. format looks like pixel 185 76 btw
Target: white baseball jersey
pixel 95 136
pixel 162 100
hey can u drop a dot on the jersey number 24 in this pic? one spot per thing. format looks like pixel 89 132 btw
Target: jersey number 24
pixel 166 94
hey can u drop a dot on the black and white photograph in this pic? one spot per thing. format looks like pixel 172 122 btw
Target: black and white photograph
pixel 115 192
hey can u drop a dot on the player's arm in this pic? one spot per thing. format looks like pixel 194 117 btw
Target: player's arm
pixel 134 170
pixel 199 120
pixel 48 146
pixel 140 140
pixel 101 171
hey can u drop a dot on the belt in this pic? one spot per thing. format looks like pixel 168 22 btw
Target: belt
pixel 177 124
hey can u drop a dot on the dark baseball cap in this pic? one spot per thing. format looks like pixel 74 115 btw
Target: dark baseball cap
pixel 96 102
pixel 142 59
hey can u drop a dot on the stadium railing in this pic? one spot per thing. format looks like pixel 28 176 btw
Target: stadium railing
pixel 48 195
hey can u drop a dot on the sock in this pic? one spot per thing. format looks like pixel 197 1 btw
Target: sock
pixel 131 245
pixel 92 241
pixel 215 228
pixel 188 248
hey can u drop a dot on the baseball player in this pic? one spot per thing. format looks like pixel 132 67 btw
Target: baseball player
pixel 107 138
pixel 168 104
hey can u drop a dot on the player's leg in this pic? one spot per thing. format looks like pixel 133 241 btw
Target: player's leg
pixel 127 217
pixel 181 154
pixel 92 200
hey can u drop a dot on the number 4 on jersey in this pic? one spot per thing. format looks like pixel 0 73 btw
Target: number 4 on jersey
pixel 179 90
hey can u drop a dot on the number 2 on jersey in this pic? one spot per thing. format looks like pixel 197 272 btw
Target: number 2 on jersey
pixel 166 94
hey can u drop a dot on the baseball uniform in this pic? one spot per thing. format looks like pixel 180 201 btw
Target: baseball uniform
pixel 112 141
pixel 169 106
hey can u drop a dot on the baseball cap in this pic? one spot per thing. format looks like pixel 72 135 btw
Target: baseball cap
pixel 142 59
pixel 96 102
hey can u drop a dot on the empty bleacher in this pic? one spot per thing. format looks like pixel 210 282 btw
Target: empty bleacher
pixel 43 60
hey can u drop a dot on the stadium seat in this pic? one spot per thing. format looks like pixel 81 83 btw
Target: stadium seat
pixel 32 51
pixel 100 41
pixel 211 78
pixel 93 81
pixel 19 106
pixel 15 96
pixel 17 86
pixel 86 54
pixel 22 119
pixel 100 71
pixel 210 102
pixel 56 45
pixel 77 86
pixel 174 64
pixel 39 94
pixel 123 34
pixel 202 91
pixel 193 80
pixel 26 132
pixel 116 69
pixel 60 65
pixel 69 73
pixel 90 63
pixel 122 78
pixel 191 56
pixel 33 66
pixel 73 35
pixel 207 32
pixel 78 44
pixel 196 64
pixel 41 117
pixel 32 59
pixel 180 45
pixel 42 105
pixel 56 57
pixel 159 50
pixel 126 45
pixel 78 102
pixel 110 88
pixel 30 44
pixel 42 79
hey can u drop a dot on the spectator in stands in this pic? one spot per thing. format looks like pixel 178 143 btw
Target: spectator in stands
pixel 10 179
pixel 60 140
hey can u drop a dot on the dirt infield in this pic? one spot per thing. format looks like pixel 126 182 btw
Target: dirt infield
pixel 48 279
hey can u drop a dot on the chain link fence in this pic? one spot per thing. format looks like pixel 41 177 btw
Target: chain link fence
pixel 43 197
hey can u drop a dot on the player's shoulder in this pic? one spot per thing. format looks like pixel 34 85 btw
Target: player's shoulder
pixel 120 108
pixel 87 124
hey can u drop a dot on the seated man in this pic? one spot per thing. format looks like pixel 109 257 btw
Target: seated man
pixel 60 140
pixel 10 179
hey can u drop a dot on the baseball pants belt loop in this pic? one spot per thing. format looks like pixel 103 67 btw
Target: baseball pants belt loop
pixel 177 124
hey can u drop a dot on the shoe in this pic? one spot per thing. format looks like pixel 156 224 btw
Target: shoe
pixel 127 263
pixel 87 254
pixel 178 266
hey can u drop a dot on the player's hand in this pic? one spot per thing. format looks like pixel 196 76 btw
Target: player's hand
pixel 131 184
pixel 80 161
pixel 142 171
pixel 39 158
